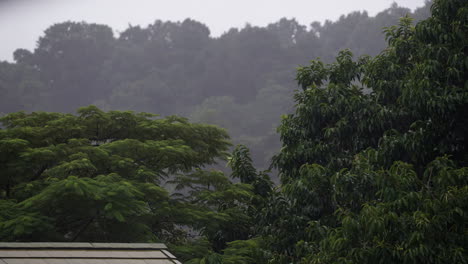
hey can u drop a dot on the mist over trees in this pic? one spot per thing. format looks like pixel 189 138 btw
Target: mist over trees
pixel 242 81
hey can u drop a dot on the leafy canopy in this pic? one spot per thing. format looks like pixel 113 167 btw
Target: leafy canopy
pixel 374 159
pixel 96 176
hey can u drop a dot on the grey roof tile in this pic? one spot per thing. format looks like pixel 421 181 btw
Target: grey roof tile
pixel 159 261
pixel 130 245
pixel 87 261
pixel 25 261
pixel 10 253
pixel 36 253
pixel 125 261
pixel 56 261
pixel 44 245
pixel 76 261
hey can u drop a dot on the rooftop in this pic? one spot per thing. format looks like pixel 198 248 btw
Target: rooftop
pixel 85 253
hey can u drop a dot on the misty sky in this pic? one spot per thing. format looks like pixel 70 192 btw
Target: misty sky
pixel 23 21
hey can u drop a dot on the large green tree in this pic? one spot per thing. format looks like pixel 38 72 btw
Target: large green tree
pixel 97 176
pixel 129 177
pixel 374 159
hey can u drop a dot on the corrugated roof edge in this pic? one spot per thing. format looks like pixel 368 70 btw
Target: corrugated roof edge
pixel 65 245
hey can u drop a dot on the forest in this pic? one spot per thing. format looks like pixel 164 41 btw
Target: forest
pixel 170 68
pixel 342 142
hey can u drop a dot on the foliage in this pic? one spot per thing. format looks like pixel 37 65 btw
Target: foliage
pixel 83 177
pixel 105 176
pixel 373 164
pixel 240 81
pixel 222 213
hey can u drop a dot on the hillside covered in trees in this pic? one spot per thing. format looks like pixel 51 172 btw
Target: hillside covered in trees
pixel 373 165
pixel 242 81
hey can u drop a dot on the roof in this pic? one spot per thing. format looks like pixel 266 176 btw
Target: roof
pixel 85 253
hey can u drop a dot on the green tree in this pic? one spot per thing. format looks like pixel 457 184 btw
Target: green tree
pixel 373 164
pixel 97 176
pixel 221 215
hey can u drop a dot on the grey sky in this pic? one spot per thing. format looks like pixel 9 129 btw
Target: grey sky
pixel 23 21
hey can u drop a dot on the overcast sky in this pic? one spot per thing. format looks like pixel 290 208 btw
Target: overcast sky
pixel 23 21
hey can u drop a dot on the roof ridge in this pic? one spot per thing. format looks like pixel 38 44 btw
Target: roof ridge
pixel 80 245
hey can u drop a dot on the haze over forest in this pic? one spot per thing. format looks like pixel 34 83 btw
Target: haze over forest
pixel 242 81
pixel 23 21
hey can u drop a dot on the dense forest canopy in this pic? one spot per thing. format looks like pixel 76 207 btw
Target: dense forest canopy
pixel 242 80
pixel 373 165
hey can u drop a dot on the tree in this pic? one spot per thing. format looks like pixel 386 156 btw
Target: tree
pixel 219 208
pixel 70 57
pixel 373 164
pixel 178 68
pixel 21 87
pixel 222 213
pixel 96 176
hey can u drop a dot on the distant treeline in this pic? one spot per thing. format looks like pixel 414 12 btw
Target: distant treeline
pixel 240 80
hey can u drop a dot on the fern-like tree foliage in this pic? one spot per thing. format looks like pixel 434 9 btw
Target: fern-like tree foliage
pixel 374 159
pixel 128 177
pixel 97 176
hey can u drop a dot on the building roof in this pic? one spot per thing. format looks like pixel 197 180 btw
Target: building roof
pixel 85 253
